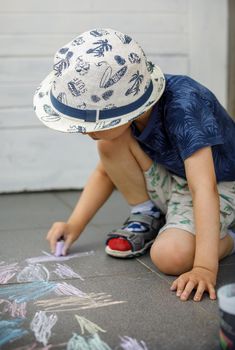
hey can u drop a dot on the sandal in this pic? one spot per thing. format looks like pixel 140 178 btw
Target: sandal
pixel 139 241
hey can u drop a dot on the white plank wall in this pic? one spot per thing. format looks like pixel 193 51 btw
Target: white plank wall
pixel 33 157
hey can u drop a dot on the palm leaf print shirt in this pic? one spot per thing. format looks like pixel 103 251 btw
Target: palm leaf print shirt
pixel 187 118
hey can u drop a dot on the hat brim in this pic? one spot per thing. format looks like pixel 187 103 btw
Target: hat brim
pixel 53 119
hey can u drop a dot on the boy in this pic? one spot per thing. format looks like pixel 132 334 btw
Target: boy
pixel 164 142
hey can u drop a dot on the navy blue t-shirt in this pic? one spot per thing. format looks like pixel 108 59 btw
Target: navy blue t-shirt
pixel 187 118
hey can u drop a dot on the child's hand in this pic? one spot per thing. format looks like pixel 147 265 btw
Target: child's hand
pixel 58 230
pixel 198 278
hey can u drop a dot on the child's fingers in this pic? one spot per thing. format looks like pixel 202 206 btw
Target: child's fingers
pixel 187 290
pixel 53 240
pixel 52 237
pixel 180 286
pixel 174 285
pixel 200 290
pixel 68 242
pixel 211 291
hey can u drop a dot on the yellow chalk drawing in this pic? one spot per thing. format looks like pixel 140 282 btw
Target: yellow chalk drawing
pixel 85 324
pixel 71 303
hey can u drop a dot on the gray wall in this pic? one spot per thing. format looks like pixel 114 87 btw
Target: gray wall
pixel 182 36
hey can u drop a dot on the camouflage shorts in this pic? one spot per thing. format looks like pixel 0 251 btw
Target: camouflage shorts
pixel 171 195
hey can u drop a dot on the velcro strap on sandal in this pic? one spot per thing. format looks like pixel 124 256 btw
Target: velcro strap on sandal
pixel 138 239
pixel 151 221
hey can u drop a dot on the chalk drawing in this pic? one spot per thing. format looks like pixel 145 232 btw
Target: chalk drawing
pixel 28 291
pixel 70 303
pixel 68 289
pixel 46 253
pixel 7 271
pixel 41 325
pixel 128 343
pixel 64 271
pixel 73 303
pixel 51 258
pixel 93 342
pixel 11 330
pixel 14 309
pixel 36 346
pixel 36 272
pixel 87 325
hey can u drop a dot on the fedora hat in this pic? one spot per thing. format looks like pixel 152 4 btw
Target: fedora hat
pixel 100 80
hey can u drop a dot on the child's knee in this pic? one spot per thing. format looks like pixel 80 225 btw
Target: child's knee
pixel 171 259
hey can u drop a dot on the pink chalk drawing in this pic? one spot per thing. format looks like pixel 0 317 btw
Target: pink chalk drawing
pixel 7 271
pixel 41 325
pixel 36 272
pixel 14 309
pixel 68 289
pixel 128 343
pixel 51 258
pixel 64 271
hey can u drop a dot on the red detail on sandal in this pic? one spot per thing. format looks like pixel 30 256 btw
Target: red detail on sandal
pixel 119 244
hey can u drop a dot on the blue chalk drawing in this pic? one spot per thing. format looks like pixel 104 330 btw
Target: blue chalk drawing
pixel 98 51
pixel 28 291
pixel 120 60
pixel 10 330
pixel 62 64
pixel 136 79
pixel 93 342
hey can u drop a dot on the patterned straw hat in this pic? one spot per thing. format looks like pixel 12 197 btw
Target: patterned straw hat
pixel 100 80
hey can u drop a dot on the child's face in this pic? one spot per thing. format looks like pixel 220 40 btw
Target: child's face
pixel 110 134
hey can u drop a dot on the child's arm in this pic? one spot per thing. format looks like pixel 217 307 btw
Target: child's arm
pixel 201 178
pixel 97 190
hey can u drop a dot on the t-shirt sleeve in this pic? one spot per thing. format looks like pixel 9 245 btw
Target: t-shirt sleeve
pixel 191 124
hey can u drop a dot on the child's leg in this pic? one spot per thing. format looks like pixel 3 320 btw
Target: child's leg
pixel 173 250
pixel 124 161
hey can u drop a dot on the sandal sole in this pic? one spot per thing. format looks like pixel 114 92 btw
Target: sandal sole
pixel 128 253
